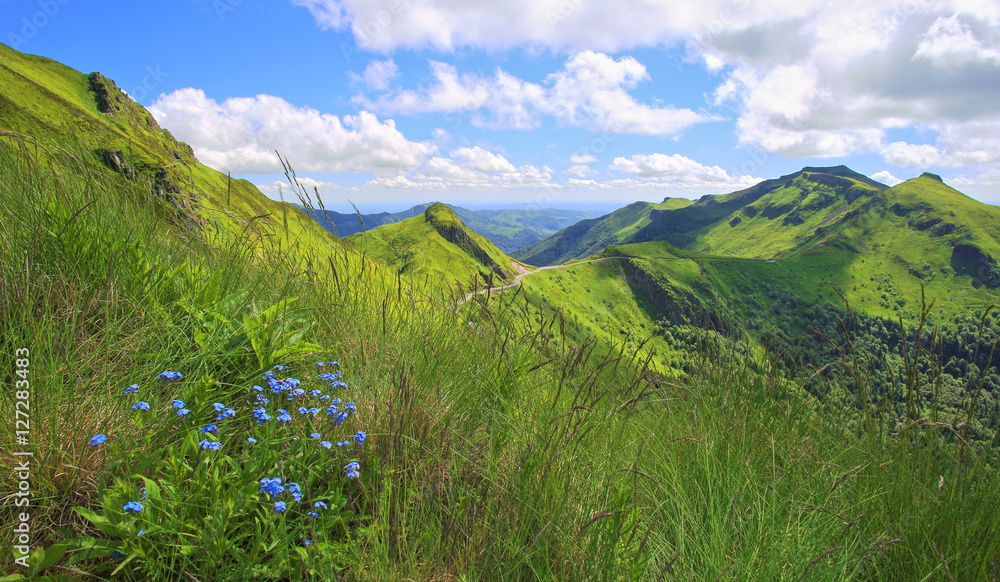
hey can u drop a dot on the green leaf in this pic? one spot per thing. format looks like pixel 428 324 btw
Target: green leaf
pixel 99 521
pixel 88 548
pixel 41 559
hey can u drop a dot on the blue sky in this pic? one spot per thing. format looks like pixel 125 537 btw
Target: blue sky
pixel 548 102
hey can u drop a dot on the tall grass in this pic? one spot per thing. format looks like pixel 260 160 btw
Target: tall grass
pixel 497 449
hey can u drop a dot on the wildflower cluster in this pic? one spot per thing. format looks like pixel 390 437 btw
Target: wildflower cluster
pixel 282 405
pixel 308 409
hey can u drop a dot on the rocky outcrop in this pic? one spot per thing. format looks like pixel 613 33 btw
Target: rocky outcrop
pixel 678 306
pixel 450 227
pixel 968 259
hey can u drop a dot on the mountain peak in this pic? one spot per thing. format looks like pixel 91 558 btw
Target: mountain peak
pixel 931 176
pixel 440 214
pixel 843 172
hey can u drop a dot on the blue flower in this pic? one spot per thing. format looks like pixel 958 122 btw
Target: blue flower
pixel 313 514
pixel 284 417
pixel 262 400
pixel 353 470
pixel 343 443
pixel 207 444
pixel 324 397
pixel 314 435
pixel 183 412
pixel 281 368
pixel 261 415
pixel 144 406
pixel 97 439
pixel 360 437
pixel 143 490
pixel 272 487
pixel 132 506
pixel 280 506
pixel 332 410
pixel 177 404
pixel 141 531
pixel 219 407
pixel 251 440
pixel 319 364
pixel 210 428
pixel 303 410
pixel 297 496
pixel 226 413
pixel 168 376
pixel 133 389
pixel 314 393
pixel 257 388
pixel 298 392
pixel 320 505
pixel 326 444
pixel 294 488
pixel 306 543
pixel 333 364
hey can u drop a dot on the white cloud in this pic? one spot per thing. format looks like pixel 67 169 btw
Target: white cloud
pixel 241 135
pixel 951 42
pixel 480 160
pixel 378 74
pixel 861 68
pixel 905 154
pixel 590 91
pixel 886 178
pixel 579 171
pixel 582 159
pixel 555 24
pixel 678 171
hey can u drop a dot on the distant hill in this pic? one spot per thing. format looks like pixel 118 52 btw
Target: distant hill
pixel 592 236
pixel 508 229
pixel 437 247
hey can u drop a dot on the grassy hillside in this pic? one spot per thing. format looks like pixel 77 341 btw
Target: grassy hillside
pixel 769 219
pixel 63 110
pixel 589 237
pixel 486 443
pixel 437 248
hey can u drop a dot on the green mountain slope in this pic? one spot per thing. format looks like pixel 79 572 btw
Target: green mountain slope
pixel 589 237
pixel 768 219
pixel 438 248
pixel 63 110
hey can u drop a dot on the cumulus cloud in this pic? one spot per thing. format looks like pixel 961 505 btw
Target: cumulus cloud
pixel 860 69
pixel 378 74
pixel 886 178
pixel 950 41
pixel 582 159
pixel 241 135
pixel 590 91
pixel 558 24
pixel 678 171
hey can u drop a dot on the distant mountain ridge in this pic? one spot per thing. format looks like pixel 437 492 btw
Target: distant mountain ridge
pixel 508 229
pixel 592 236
